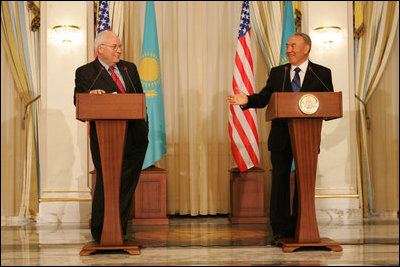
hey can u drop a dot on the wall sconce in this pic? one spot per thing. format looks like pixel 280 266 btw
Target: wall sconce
pixel 66 35
pixel 328 35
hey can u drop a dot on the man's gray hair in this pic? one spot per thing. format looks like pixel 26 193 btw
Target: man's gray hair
pixel 306 39
pixel 100 39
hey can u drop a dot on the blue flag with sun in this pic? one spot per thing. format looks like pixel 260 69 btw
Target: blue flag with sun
pixel 288 29
pixel 150 76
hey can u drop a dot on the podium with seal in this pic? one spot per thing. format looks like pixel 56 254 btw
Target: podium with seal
pixel 305 112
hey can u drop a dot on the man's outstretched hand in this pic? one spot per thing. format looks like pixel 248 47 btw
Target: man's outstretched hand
pixel 238 99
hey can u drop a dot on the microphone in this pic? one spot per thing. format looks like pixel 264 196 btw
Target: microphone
pixel 284 79
pixel 309 68
pixel 90 88
pixel 134 88
pixel 126 70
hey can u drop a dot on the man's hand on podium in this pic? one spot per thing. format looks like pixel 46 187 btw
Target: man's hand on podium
pixel 97 92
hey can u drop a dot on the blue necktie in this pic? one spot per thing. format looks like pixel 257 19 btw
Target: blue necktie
pixel 296 81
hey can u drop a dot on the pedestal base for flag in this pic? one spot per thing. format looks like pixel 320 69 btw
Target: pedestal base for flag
pixel 247 196
pixel 151 198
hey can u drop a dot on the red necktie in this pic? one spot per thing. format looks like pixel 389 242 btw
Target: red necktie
pixel 117 80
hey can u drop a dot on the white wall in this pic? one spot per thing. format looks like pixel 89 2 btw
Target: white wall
pixel 336 182
pixel 64 192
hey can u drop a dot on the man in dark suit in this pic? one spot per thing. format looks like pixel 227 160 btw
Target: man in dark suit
pixel 108 74
pixel 302 75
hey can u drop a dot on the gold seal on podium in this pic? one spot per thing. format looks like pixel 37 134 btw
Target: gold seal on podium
pixel 308 104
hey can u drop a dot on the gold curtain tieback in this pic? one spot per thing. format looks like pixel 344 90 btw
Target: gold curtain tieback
pixel 366 113
pixel 26 107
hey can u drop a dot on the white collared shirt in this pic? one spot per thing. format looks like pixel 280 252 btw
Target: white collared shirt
pixel 302 73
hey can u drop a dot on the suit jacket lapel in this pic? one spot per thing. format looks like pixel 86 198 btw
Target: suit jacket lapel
pixel 125 77
pixel 307 79
pixel 288 84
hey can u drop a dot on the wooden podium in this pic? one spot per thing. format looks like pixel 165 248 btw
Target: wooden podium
pixel 304 113
pixel 111 112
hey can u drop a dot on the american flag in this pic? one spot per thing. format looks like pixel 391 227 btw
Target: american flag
pixel 243 129
pixel 103 22
pixel 103 19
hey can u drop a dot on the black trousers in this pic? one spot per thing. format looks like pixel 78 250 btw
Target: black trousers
pixel 282 221
pixel 134 153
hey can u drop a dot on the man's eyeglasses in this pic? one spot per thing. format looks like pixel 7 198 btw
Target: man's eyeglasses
pixel 114 46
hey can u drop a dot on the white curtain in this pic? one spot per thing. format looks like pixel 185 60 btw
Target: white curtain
pixel 266 18
pixel 197 42
pixel 117 18
pixel 372 51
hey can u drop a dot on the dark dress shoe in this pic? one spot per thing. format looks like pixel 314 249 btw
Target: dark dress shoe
pixel 96 237
pixel 276 238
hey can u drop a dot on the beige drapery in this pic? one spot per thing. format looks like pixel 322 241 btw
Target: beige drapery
pixel 20 47
pixel 383 137
pixel 117 18
pixel 12 143
pixel 372 51
pixel 197 42
pixel 267 24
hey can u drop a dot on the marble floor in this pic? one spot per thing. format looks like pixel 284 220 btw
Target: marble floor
pixel 204 240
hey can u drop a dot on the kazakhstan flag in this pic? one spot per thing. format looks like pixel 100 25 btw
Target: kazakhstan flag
pixel 150 76
pixel 288 30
